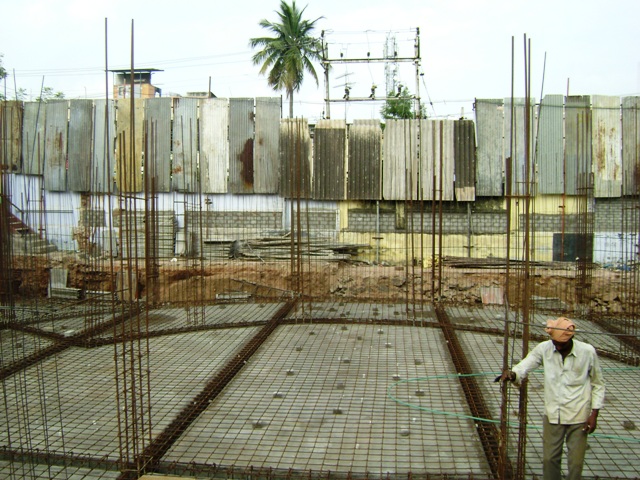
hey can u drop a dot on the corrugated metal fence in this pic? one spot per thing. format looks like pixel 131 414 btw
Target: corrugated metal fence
pixel 242 146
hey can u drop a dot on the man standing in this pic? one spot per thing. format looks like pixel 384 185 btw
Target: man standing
pixel 573 395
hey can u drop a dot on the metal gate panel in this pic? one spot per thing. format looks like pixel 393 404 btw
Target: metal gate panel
pixel 490 153
pixel 33 138
pixel 80 142
pixel 365 160
pixel 11 114
pixel 515 142
pixel 103 159
pixel 266 155
pixel 606 144
pixel 55 146
pixel 577 143
pixel 549 156
pixel 464 153
pixel 184 168
pixel 436 159
pixel 295 158
pixel 129 145
pixel 400 161
pixel 214 144
pixel 157 115
pixel 329 156
pixel 631 145
pixel 241 128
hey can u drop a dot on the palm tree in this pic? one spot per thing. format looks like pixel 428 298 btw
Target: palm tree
pixel 289 52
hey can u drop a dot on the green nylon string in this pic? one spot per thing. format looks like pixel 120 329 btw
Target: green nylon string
pixel 488 420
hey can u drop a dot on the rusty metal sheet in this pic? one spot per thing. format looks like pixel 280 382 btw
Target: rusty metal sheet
pixel 464 153
pixel 400 160
pixel 490 153
pixel 436 160
pixel 80 133
pixel 515 143
pixel 577 144
pixel 214 144
pixel 241 128
pixel 549 154
pixel 103 159
pixel 266 153
pixel 33 138
pixel 11 113
pixel 295 158
pixel 631 145
pixel 606 143
pixel 365 160
pixel 157 125
pixel 129 145
pixel 55 146
pixel 185 145
pixel 329 160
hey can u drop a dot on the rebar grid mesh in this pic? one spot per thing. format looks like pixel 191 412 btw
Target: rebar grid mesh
pixel 365 394
pixel 315 398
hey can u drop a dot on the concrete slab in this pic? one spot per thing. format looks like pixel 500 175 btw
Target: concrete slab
pixel 317 397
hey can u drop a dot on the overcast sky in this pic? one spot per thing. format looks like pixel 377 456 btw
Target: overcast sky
pixel 591 47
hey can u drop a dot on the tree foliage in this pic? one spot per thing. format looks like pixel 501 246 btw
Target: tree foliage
pixel 3 74
pixel 3 71
pixel 289 52
pixel 399 105
pixel 48 94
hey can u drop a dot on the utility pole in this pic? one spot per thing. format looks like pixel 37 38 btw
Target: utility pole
pixel 390 59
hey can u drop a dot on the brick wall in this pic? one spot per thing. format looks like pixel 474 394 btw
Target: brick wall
pixel 238 220
pixel 452 223
pixel 319 221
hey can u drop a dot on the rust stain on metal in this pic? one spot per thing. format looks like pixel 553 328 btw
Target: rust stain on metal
pixel 246 159
pixel 600 155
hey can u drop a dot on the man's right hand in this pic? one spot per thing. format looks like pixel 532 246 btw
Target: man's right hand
pixel 507 376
